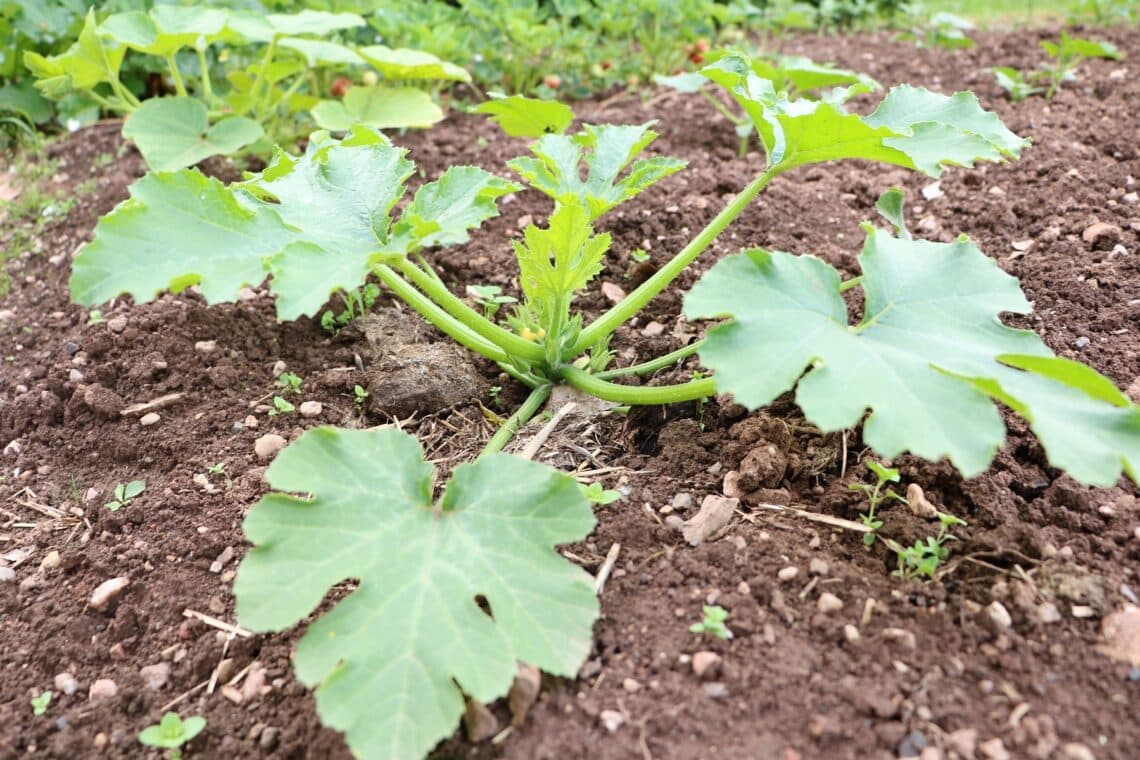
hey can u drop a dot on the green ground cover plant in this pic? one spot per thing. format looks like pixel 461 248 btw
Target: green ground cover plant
pixel 1065 56
pixel 172 733
pixel 451 584
pixel 281 82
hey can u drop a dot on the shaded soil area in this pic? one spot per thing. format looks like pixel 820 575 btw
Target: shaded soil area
pixel 877 668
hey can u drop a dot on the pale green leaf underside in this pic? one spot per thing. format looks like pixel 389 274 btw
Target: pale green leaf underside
pixel 387 658
pixel 166 28
pixel 173 133
pixel 912 127
pixel 315 224
pixel 380 107
pixel 404 64
pixel 919 360
pixel 520 116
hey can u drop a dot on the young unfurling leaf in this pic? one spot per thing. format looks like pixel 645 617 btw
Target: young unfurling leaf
pixel 608 151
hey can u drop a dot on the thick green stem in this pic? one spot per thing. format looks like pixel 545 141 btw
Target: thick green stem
pixel 653 365
pixel 505 433
pixel 176 75
pixel 641 396
pixel 204 76
pixel 635 301
pixel 525 378
pixel 126 96
pixel 437 316
pixel 473 320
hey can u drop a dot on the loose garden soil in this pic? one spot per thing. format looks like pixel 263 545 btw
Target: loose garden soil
pixel 899 667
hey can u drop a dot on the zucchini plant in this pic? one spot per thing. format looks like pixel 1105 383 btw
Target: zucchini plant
pixel 284 55
pixel 450 590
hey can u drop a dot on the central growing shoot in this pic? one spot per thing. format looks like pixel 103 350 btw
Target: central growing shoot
pixel 394 661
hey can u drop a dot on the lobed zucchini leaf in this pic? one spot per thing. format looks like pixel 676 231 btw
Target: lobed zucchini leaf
pixel 912 127
pixel 609 149
pixel 403 64
pixel 175 132
pixel 88 62
pixel 393 659
pixel 520 116
pixel 316 223
pixel 379 107
pixel 556 262
pixel 926 359
pixel 166 28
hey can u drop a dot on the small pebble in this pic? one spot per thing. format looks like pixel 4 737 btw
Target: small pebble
pixel 912 744
pixel 788 573
pixel 117 324
pixel 999 615
pixel 993 749
pixel 311 408
pixel 829 602
pixel 50 561
pixel 851 633
pixel 268 445
pixel 155 676
pixel 150 418
pixel 1047 612
pixel 653 329
pixel 611 720
pixel 76 376
pixel 1081 342
pixel 716 690
pixel 631 685
pixel 818 566
pixel 1076 751
pixel 706 664
pixel 683 501
pixel 7 574
pixel 107 592
pixel 206 346
pixel 66 683
pixel 102 689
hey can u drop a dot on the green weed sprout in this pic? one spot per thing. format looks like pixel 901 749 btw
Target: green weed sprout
pixel 876 496
pixel 40 703
pixel 597 495
pixel 172 732
pixel 124 494
pixel 713 622
pixel 924 558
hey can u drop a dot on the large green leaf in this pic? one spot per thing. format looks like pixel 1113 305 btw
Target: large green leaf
pixel 393 659
pixel 402 63
pixel 317 224
pixel 520 116
pixel 248 26
pixel 925 358
pixel 320 52
pixel 380 107
pixel 91 60
pixel 167 28
pixel 803 74
pixel 912 127
pixel 173 133
pixel 609 149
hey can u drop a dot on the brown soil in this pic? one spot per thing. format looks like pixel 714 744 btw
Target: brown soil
pixel 929 668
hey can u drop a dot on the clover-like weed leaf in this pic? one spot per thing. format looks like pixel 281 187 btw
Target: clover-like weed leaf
pixel 609 150
pixel 926 358
pixel 520 116
pixel 173 133
pixel 315 224
pixel 447 596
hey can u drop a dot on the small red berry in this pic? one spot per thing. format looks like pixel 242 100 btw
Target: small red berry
pixel 607 65
pixel 553 81
pixel 696 57
pixel 702 45
pixel 340 86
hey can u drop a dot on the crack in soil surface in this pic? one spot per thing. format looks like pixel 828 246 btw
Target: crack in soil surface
pixel 897 666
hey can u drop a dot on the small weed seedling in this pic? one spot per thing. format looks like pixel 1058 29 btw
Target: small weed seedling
pixel 924 558
pixel 359 395
pixel 289 382
pixel 1065 56
pixel 491 298
pixel 919 372
pixel 713 622
pixel 876 496
pixel 172 732
pixel 220 469
pixel 598 495
pixel 124 494
pixel 40 703
pixel 357 301
pixel 281 406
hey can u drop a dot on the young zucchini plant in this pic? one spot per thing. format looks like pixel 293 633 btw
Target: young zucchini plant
pixel 285 59
pixel 1065 55
pixel 450 591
